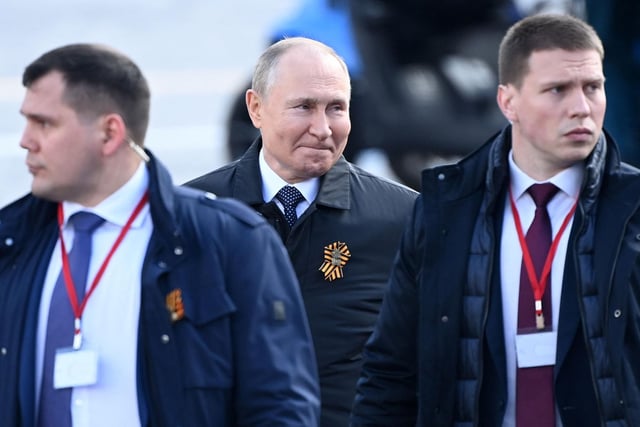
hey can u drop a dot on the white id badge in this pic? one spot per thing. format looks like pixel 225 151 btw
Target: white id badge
pixel 536 349
pixel 75 368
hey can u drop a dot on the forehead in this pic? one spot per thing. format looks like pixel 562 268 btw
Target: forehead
pixel 559 64
pixel 46 91
pixel 310 68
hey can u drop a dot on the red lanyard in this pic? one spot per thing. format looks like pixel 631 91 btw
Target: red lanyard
pixel 538 286
pixel 78 308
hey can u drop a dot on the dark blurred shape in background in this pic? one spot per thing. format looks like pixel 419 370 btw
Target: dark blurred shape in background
pixel 424 73
pixel 618 24
pixel 430 69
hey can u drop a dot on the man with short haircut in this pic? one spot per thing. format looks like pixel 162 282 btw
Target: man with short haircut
pixel 126 301
pixel 340 224
pixel 515 297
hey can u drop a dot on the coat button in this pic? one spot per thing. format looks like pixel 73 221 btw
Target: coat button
pixel 444 319
pixel 3 351
pixel 617 313
pixel 8 241
pixel 162 264
pixel 165 339
pixel 178 250
pixel 441 177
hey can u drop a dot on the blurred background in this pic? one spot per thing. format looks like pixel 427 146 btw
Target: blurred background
pixel 424 73
pixel 196 54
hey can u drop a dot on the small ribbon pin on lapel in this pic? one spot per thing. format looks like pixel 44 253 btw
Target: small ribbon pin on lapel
pixel 336 255
pixel 175 305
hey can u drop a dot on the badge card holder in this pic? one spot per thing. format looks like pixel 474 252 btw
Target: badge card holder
pixel 536 349
pixel 74 368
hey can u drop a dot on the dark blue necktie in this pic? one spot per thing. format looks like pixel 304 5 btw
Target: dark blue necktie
pixel 54 409
pixel 534 386
pixel 290 196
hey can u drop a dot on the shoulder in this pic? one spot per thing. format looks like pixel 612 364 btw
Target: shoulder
pixel 27 212
pixel 207 207
pixel 25 222
pixel 216 181
pixel 383 187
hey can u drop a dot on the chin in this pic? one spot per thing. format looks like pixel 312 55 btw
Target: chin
pixel 315 171
pixel 43 192
pixel 577 156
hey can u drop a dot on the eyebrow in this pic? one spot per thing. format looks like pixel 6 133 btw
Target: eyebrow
pixel 32 115
pixel 314 101
pixel 566 82
pixel 304 100
pixel 39 117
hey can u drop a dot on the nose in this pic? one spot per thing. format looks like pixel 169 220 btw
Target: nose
pixel 580 106
pixel 27 140
pixel 320 125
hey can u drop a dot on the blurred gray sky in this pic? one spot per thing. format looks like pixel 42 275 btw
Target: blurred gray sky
pixel 195 53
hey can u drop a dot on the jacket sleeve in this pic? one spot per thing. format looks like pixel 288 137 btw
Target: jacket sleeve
pixel 276 374
pixel 387 388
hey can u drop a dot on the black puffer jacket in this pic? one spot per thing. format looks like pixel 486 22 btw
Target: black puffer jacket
pixel 444 290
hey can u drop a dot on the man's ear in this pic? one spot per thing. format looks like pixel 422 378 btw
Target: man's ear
pixel 114 133
pixel 507 101
pixel 254 107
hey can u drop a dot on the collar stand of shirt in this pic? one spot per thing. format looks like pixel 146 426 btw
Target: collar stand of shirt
pixel 569 181
pixel 116 209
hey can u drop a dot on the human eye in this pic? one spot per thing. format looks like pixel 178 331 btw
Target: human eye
pixel 557 89
pixel 302 105
pixel 39 122
pixel 337 107
pixel 593 87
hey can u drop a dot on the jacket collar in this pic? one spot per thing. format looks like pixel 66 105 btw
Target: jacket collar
pixel 162 205
pixel 42 213
pixel 161 196
pixel 595 166
pixel 334 185
pixel 494 173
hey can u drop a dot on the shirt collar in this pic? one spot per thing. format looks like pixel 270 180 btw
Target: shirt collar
pixel 568 181
pixel 272 183
pixel 118 207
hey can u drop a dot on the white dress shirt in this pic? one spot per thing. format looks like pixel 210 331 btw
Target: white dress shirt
pixel 110 318
pixel 272 183
pixel 569 182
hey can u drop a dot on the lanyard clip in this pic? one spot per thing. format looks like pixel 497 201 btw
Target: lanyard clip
pixel 77 335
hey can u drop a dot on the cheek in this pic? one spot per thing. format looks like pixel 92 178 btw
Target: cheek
pixel 537 119
pixel 341 130
pixel 600 109
pixel 287 128
pixel 347 127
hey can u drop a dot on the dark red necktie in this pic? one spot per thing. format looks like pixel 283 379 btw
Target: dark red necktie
pixel 534 386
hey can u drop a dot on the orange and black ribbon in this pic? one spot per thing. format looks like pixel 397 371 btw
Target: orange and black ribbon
pixel 336 256
pixel 175 305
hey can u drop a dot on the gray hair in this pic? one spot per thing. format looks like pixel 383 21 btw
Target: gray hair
pixel 265 72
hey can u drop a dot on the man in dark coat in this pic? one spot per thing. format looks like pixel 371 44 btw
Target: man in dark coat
pixel 347 223
pixel 195 317
pixel 451 347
